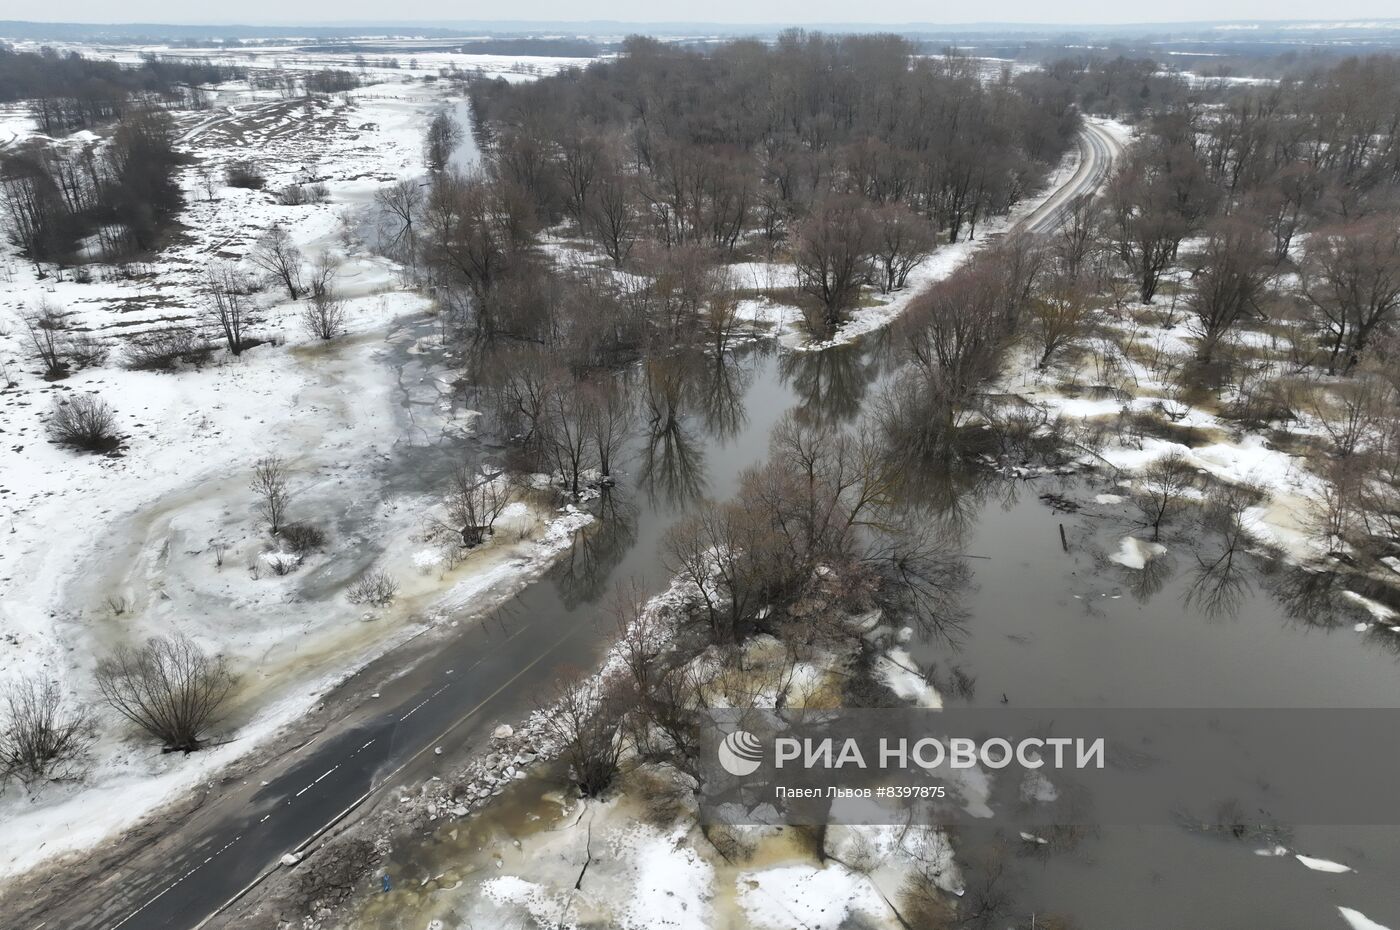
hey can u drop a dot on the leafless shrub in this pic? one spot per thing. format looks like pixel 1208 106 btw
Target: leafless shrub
pixel 282 563
pixel 303 537
pixel 323 317
pixel 47 333
pixel 170 688
pixel 44 736
pixel 1337 516
pixel 83 421
pixel 585 719
pixel 245 174
pixel 166 349
pixel 296 195
pixel 84 350
pixel 1351 413
pixel 376 588
pixel 270 485
pixel 321 276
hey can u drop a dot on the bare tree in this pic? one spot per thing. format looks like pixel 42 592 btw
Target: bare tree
pixel 566 436
pixel 611 216
pixel 720 318
pixel 226 304
pixel 1156 200
pixel 474 502
pixel 1077 237
pixel 401 204
pixel 722 549
pixel 1162 487
pixel 1351 277
pixel 170 688
pixel 270 485
pixel 585 719
pixel 1232 277
pixel 832 252
pixel 44 736
pixel 276 254
pixel 1059 315
pixel 608 423
pixel 443 136
pixel 47 329
pixel 901 240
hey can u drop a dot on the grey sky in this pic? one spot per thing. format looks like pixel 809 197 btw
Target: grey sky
pixel 797 12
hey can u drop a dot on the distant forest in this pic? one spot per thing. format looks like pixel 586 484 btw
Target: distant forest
pixel 70 92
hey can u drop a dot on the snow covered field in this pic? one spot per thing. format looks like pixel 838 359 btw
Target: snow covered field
pixel 162 537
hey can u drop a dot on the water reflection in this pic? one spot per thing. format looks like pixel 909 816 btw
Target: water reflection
pixel 718 390
pixel 1313 597
pixel 672 455
pixel 586 570
pixel 831 384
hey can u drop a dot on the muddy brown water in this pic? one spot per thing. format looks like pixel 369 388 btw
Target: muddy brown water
pixel 1047 628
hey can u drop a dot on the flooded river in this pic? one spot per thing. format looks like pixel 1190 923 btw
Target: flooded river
pixel 1048 625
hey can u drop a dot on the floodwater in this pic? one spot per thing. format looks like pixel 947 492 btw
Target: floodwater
pixel 1044 627
pixel 1050 628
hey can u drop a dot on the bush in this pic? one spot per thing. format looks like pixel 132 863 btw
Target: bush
pixel 170 688
pixel 303 537
pixel 245 174
pixel 296 195
pixel 375 588
pixel 84 422
pixel 323 317
pixel 167 349
pixel 84 350
pixel 43 736
pixel 282 563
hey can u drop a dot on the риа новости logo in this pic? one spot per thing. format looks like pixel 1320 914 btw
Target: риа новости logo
pixel 741 753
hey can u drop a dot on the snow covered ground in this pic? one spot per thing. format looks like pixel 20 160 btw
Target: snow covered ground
pixel 162 538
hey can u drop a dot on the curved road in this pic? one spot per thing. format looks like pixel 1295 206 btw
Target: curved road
pixel 453 690
pixel 1098 150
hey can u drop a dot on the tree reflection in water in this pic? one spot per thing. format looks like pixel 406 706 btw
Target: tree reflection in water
pixel 584 572
pixel 672 457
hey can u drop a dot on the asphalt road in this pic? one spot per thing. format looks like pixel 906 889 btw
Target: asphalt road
pixel 1097 152
pixel 493 670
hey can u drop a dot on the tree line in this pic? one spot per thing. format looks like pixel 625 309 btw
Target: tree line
pixel 121 193
pixel 68 92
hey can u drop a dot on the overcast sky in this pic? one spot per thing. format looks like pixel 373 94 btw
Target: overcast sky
pixel 798 12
